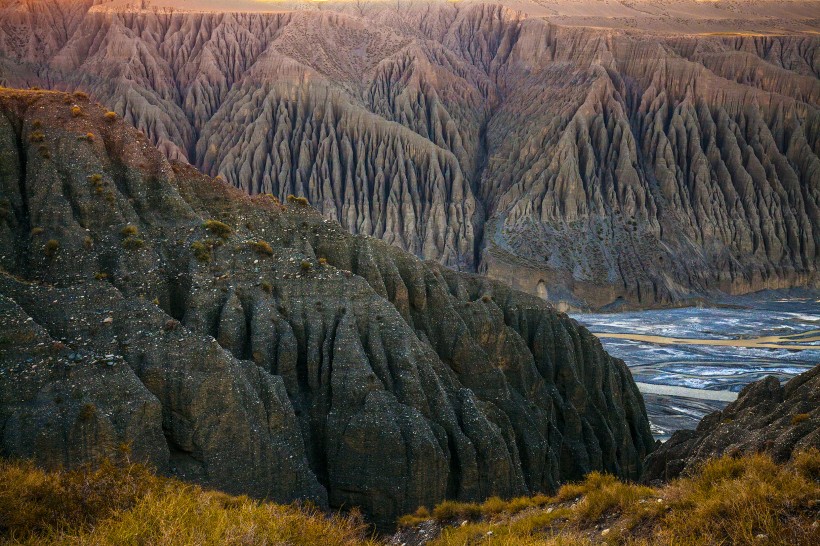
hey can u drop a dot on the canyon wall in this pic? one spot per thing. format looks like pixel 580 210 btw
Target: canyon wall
pixel 589 166
pixel 259 348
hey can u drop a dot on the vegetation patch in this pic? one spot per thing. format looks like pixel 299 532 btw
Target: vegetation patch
pixel 124 503
pixel 51 248
pixel 298 200
pixel 202 251
pixel 261 247
pixel 132 243
pixel 799 418
pixel 220 229
pixel 748 500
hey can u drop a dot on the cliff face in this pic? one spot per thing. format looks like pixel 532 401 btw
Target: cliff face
pixel 583 165
pixel 260 348
pixel 766 417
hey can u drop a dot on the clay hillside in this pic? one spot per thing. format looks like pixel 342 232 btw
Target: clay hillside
pixel 255 347
pixel 591 153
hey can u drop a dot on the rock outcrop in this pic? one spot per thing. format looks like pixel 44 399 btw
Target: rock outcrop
pixel 584 165
pixel 258 347
pixel 767 416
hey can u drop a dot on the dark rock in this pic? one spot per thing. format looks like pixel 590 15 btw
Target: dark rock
pixel 397 385
pixel 766 417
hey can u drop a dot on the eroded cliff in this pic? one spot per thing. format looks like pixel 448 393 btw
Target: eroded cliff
pixel 587 166
pixel 257 347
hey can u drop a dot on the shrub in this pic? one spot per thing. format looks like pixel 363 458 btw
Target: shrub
pixel 76 111
pixel 306 265
pixel 261 247
pixel 323 261
pixel 298 200
pixel 486 298
pixel 81 95
pixel 132 243
pixel 218 228
pixel 37 136
pixel 422 514
pixel 101 276
pixel 266 287
pixel 87 412
pixel 202 252
pixel 51 248
pixel 129 231
pixel 110 116
pixel 89 137
pixel 88 242
pixel 799 418
pixel 37 230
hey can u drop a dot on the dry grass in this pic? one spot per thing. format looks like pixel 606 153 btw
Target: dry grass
pixel 129 231
pixel 51 247
pixel 730 501
pixel 261 247
pixel 800 418
pixel 126 504
pixel 218 228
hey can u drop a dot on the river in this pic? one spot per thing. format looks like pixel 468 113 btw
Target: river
pixel 691 361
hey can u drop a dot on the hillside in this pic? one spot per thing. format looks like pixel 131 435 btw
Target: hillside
pixel 728 501
pixel 252 346
pixel 591 153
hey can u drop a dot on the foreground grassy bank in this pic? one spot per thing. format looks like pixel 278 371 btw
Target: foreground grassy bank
pixel 749 500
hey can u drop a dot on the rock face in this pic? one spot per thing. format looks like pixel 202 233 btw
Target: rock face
pixel 586 166
pixel 765 417
pixel 260 348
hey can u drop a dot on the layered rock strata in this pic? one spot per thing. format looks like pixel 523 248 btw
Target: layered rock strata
pixel 257 347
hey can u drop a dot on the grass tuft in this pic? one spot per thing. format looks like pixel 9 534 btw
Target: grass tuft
pixel 51 248
pixel 129 231
pixel 218 228
pixel 800 418
pixel 261 247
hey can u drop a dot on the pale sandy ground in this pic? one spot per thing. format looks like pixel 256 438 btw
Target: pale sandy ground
pixel 687 392
pixel 797 342
pixel 654 16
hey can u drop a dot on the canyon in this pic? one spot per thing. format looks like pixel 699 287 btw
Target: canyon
pixel 594 154
pixel 255 347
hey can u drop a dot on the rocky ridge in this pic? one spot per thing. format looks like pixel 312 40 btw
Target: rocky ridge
pixel 767 417
pixel 587 166
pixel 256 347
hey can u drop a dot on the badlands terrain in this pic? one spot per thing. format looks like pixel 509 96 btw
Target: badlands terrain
pixel 593 153
pixel 257 348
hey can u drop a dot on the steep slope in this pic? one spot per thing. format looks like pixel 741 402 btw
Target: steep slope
pixel 259 348
pixel 587 166
pixel 767 417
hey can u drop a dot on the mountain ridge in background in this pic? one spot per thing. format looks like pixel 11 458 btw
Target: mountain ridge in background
pixel 637 165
